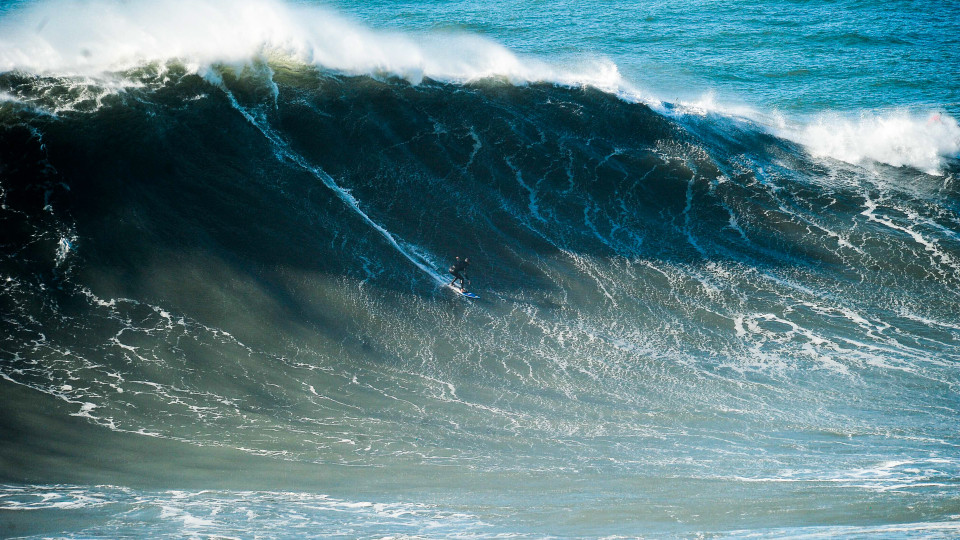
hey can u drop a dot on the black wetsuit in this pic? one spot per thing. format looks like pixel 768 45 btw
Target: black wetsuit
pixel 459 270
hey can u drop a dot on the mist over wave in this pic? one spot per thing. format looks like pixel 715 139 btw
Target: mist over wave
pixel 925 142
pixel 91 38
pixel 100 37
pixel 928 141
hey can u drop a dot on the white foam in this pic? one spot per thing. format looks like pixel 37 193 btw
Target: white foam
pixel 898 138
pixel 922 140
pixel 86 410
pixel 64 247
pixel 7 98
pixel 97 36
pixel 708 103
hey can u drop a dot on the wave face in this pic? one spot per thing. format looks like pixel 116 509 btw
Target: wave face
pixel 233 280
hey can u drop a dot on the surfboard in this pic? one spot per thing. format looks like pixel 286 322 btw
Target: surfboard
pixel 468 294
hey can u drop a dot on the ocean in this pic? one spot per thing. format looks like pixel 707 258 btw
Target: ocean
pixel 716 247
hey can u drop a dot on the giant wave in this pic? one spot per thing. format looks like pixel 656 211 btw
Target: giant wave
pixel 101 39
pixel 684 316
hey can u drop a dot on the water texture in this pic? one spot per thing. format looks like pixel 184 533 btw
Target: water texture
pixel 710 305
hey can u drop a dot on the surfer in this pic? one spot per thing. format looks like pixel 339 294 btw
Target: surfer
pixel 459 270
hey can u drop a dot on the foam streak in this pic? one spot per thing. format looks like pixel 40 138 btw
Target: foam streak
pixel 410 252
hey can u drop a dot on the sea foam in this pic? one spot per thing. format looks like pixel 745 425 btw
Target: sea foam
pixel 89 38
pixel 923 140
pixel 97 37
pixel 898 138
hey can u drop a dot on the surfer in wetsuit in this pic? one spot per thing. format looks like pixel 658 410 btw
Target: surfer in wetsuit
pixel 459 270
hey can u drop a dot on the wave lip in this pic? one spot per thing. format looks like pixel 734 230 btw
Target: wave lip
pixel 67 37
pixel 91 38
pixel 898 139
pixel 924 141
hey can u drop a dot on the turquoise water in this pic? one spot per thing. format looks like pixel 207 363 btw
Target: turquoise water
pixel 717 247
pixel 798 57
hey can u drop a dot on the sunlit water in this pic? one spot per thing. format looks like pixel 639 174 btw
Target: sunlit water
pixel 716 248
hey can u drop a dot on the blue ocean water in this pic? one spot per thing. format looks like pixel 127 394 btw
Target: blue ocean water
pixel 717 249
pixel 849 79
pixel 798 57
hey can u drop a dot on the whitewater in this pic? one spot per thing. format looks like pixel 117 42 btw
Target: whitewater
pixel 717 249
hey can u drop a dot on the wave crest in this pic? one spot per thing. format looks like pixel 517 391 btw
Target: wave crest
pixel 924 142
pixel 95 37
